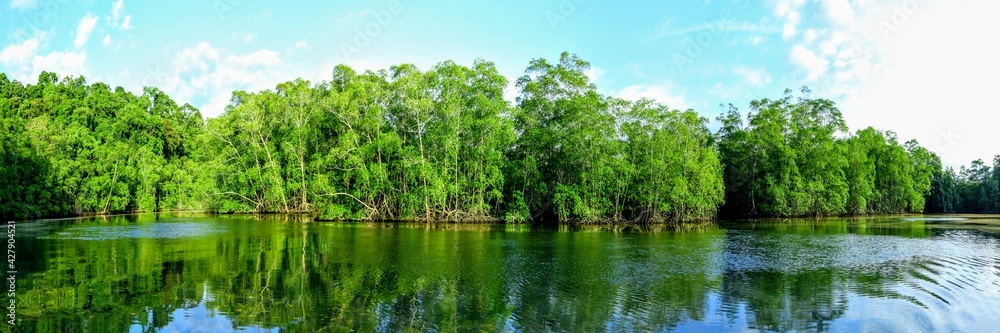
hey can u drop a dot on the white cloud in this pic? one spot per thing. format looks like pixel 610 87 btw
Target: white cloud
pixel 829 47
pixel 595 73
pixel 61 63
pixel 926 71
pixel 216 103
pixel 197 57
pixel 659 93
pixel 718 26
pixel 814 65
pixel 15 54
pixel 839 11
pixel 752 76
pixel 790 29
pixel 117 9
pixel 300 45
pixel 510 93
pixel 248 38
pixel 84 29
pixel 932 79
pixel 118 17
pixel 258 58
pixel 810 36
pixel 788 9
pixel 784 7
pixel 127 24
pixel 107 40
pixel 208 75
pixel 22 4
pixel 755 40
pixel 24 62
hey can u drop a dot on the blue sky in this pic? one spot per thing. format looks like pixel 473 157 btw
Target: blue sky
pixel 926 69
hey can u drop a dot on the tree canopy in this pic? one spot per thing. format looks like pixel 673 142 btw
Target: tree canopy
pixel 443 144
pixel 795 157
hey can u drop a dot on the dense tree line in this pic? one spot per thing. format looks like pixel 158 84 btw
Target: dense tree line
pixel 975 189
pixel 443 144
pixel 69 148
pixel 386 145
pixel 795 157
pixel 583 156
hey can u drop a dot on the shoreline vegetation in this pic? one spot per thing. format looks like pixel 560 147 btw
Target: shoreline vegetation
pixel 444 145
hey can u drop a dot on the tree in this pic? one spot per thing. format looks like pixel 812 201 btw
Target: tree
pixel 443 144
pixel 793 158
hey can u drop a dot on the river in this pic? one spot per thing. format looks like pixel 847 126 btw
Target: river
pixel 205 273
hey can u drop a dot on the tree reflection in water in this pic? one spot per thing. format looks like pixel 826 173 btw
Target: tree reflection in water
pixel 144 273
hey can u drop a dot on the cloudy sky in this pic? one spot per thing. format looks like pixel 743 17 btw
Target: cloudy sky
pixel 926 69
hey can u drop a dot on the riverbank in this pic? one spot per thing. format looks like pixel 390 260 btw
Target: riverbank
pixel 989 223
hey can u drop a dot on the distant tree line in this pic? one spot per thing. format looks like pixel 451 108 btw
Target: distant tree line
pixel 793 158
pixel 443 144
pixel 975 189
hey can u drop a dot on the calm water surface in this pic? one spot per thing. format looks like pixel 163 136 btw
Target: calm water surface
pixel 207 274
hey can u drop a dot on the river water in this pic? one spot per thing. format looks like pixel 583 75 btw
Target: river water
pixel 203 273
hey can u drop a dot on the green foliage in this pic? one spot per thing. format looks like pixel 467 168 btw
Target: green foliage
pixel 69 148
pixel 975 189
pixel 585 157
pixel 675 170
pixel 401 144
pixel 386 145
pixel 443 144
pixel 794 158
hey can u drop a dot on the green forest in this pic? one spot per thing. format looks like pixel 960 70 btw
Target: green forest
pixel 444 145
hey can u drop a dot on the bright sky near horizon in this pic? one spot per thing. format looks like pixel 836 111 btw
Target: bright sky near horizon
pixel 926 69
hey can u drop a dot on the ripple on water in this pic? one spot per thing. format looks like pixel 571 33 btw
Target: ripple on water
pixel 955 252
pixel 935 219
pixel 159 230
pixel 948 277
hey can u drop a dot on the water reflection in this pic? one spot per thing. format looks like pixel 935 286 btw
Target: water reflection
pixel 191 273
